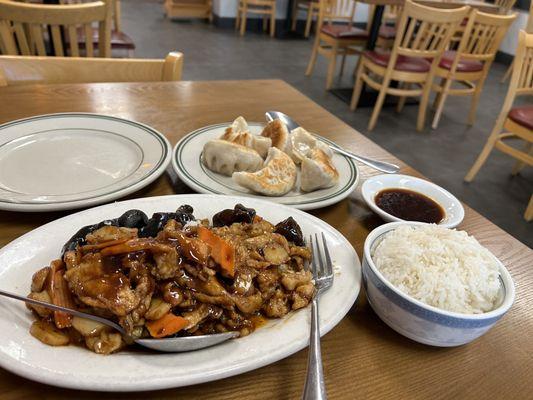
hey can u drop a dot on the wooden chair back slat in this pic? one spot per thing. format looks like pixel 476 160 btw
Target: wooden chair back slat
pixel 63 21
pixel 336 10
pixel 25 70
pixel 505 5
pixel 57 41
pixel 116 8
pixel 424 31
pixel 38 38
pixel 89 48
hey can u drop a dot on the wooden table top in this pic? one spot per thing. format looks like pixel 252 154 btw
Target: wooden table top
pixel 363 357
pixel 478 4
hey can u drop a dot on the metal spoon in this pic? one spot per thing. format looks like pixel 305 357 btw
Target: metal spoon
pixel 170 345
pixel 292 124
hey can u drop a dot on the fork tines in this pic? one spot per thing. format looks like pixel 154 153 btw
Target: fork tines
pixel 321 264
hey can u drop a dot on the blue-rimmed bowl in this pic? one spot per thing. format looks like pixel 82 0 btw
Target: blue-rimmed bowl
pixel 419 321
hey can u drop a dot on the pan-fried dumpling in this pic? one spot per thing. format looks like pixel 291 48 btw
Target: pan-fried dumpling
pixel 276 178
pixel 302 142
pixel 226 157
pixel 318 172
pixel 279 134
pixel 238 133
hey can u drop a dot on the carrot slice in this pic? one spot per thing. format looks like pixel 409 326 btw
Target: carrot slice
pixel 221 251
pixel 167 325
pixel 60 294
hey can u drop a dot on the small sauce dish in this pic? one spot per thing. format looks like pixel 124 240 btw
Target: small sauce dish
pixel 452 207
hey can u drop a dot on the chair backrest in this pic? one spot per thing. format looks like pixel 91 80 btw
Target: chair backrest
pixel 23 28
pixel 425 32
pixel 529 25
pixel 336 10
pixel 392 13
pixel 522 79
pixel 117 11
pixel 482 36
pixel 17 70
pixel 505 5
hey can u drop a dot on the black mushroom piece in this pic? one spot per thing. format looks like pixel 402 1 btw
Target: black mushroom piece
pixel 239 214
pixel 291 230
pixel 133 219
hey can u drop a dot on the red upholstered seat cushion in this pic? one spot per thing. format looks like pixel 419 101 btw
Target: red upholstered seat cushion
pixel 403 63
pixel 344 32
pixel 463 66
pixel 387 32
pixel 464 22
pixel 522 115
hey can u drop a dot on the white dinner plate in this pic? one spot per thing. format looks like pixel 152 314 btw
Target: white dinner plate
pixel 453 209
pixel 186 161
pixel 72 160
pixel 78 368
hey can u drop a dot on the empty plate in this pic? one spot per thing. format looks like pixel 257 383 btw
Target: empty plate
pixel 72 160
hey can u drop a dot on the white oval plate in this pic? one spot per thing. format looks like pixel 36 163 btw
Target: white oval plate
pixel 78 368
pixel 453 209
pixel 186 161
pixel 72 160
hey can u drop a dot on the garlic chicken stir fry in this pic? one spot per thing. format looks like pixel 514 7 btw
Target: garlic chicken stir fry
pixel 172 275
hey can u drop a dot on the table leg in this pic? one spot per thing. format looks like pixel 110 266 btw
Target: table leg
pixel 285 32
pixel 374 27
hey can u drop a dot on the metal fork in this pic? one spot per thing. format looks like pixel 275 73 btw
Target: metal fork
pixel 322 269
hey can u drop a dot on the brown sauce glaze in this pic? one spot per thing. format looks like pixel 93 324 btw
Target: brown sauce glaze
pixel 409 205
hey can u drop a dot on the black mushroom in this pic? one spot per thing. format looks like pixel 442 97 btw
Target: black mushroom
pixel 239 214
pixel 291 231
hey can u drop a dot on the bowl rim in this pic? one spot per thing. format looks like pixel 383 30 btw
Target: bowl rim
pixel 369 200
pixel 509 287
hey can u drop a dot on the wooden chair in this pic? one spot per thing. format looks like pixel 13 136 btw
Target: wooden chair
pixel 265 7
pixel 470 64
pixel 17 70
pixel 529 29
pixel 311 9
pixel 387 30
pixel 517 122
pixel 23 28
pixel 189 9
pixel 120 41
pixel 505 5
pixel 332 39
pixel 423 34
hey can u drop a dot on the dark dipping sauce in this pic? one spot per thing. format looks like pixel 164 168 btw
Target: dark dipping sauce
pixel 409 205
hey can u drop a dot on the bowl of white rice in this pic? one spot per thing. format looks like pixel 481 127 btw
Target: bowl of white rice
pixel 434 285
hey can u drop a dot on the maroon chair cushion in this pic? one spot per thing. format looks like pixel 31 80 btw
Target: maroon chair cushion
pixel 463 66
pixel 403 63
pixel 119 40
pixel 464 22
pixel 522 115
pixel 387 32
pixel 344 32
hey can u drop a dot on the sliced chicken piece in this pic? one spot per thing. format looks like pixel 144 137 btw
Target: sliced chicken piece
pixel 110 233
pixel 291 280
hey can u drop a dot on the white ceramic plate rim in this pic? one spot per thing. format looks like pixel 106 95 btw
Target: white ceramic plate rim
pixel 389 183
pixel 327 200
pixel 83 201
pixel 507 302
pixel 335 314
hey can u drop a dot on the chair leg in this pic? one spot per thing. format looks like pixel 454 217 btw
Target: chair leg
pixel 439 94
pixel 273 21
pixel 314 53
pixel 379 103
pixel 237 19
pixel 520 164
pixel 475 102
pixel 481 158
pixel 507 73
pixel 424 100
pixel 332 65
pixel 294 15
pixel 343 61
pixel 265 23
pixel 244 17
pixel 528 216
pixel 308 22
pixel 441 99
pixel 358 86
pixel 401 100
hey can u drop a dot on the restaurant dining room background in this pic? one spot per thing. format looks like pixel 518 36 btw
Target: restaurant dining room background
pixel 193 192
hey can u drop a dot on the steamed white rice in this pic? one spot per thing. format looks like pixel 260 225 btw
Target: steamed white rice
pixel 441 267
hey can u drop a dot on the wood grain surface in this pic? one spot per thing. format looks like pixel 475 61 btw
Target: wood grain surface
pixel 363 357
pixel 477 4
